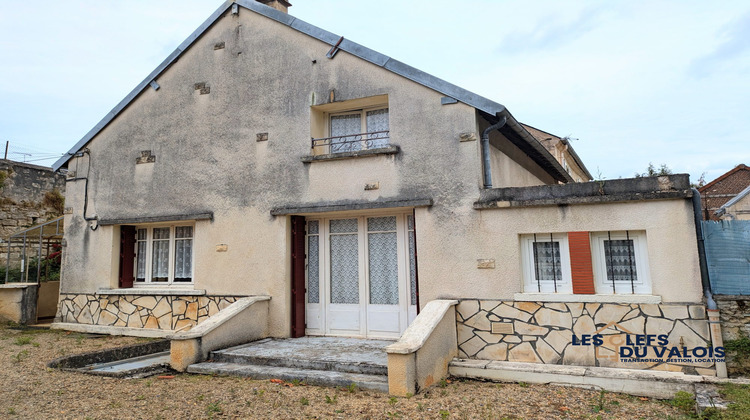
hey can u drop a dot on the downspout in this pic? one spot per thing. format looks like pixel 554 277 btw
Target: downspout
pixel 486 150
pixel 86 151
pixel 714 323
pixel 710 303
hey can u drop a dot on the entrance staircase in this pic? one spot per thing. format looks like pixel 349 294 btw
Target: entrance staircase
pixel 325 361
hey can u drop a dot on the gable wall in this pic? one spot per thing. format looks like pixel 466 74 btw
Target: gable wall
pixel 739 211
pixel 208 159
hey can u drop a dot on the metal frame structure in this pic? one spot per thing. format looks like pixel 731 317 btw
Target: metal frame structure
pixel 43 236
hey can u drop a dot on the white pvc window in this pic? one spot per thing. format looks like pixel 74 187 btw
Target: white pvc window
pixel 359 129
pixel 546 263
pixel 164 255
pixel 620 262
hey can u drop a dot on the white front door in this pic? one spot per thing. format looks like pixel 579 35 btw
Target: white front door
pixel 360 276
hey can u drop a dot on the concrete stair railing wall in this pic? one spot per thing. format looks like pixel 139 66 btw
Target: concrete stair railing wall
pixel 243 321
pixel 421 356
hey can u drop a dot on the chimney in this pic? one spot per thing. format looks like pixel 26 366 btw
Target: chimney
pixel 281 5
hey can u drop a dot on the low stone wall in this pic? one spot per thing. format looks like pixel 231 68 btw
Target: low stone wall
pixel 540 332
pixel 156 312
pixel 18 302
pixel 734 312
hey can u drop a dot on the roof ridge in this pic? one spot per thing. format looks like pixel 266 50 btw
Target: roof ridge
pixel 418 76
pixel 737 168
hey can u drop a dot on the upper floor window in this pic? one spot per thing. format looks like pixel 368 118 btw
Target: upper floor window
pixel 164 254
pixel 350 126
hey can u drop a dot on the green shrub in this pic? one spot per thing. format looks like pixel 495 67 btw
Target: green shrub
pixel 740 345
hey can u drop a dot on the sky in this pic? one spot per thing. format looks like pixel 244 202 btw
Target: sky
pixel 632 82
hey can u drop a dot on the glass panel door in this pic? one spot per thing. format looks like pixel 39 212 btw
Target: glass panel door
pixel 359 272
pixel 383 309
pixel 344 286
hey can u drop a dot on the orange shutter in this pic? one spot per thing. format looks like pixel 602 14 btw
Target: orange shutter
pixel 581 270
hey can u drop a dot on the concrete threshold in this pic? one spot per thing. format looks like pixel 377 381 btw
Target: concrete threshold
pixel 647 383
pixel 103 329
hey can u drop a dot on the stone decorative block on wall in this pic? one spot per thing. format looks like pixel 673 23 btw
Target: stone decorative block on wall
pixel 157 312
pixel 542 332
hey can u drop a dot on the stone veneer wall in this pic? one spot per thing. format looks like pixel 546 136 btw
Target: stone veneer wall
pixel 542 332
pixel 158 312
pixel 734 312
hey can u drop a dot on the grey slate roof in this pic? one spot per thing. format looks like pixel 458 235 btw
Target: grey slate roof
pixel 523 139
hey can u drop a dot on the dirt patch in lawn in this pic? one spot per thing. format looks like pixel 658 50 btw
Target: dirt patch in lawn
pixel 31 390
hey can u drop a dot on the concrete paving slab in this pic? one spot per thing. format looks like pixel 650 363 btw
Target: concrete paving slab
pixel 317 353
pixel 655 384
pixel 311 377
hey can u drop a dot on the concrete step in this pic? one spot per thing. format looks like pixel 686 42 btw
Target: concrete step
pixel 309 376
pixel 273 360
pixel 647 383
pixel 316 353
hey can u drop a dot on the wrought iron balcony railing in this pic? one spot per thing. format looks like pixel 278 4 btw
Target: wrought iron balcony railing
pixel 353 142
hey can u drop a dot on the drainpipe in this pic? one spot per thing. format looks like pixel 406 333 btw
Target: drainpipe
pixel 714 323
pixel 86 151
pixel 486 150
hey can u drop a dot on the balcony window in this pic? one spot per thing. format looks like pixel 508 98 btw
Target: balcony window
pixel 356 130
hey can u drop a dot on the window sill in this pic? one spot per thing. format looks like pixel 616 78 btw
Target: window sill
pixel 567 297
pixel 143 291
pixel 388 150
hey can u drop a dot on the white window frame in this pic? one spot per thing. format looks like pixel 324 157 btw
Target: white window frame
pixel 530 284
pixel 598 259
pixel 147 282
pixel 362 117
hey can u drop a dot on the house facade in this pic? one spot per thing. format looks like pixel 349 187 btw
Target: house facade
pixel 269 157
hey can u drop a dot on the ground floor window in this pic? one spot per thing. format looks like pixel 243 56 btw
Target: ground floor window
pixel 614 262
pixel 546 263
pixel 164 254
pixel 620 261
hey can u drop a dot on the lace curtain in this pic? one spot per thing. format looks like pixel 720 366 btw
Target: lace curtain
pixel 313 263
pixel 619 256
pixel 345 125
pixel 382 246
pixel 547 261
pixel 377 121
pixel 344 261
pixel 140 271
pixel 160 255
pixel 183 265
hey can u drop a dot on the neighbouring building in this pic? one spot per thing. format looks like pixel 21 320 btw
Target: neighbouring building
pixel 563 151
pixel 268 157
pixel 726 197
pixel 29 195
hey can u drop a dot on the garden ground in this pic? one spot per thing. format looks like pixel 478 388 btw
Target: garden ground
pixel 31 390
